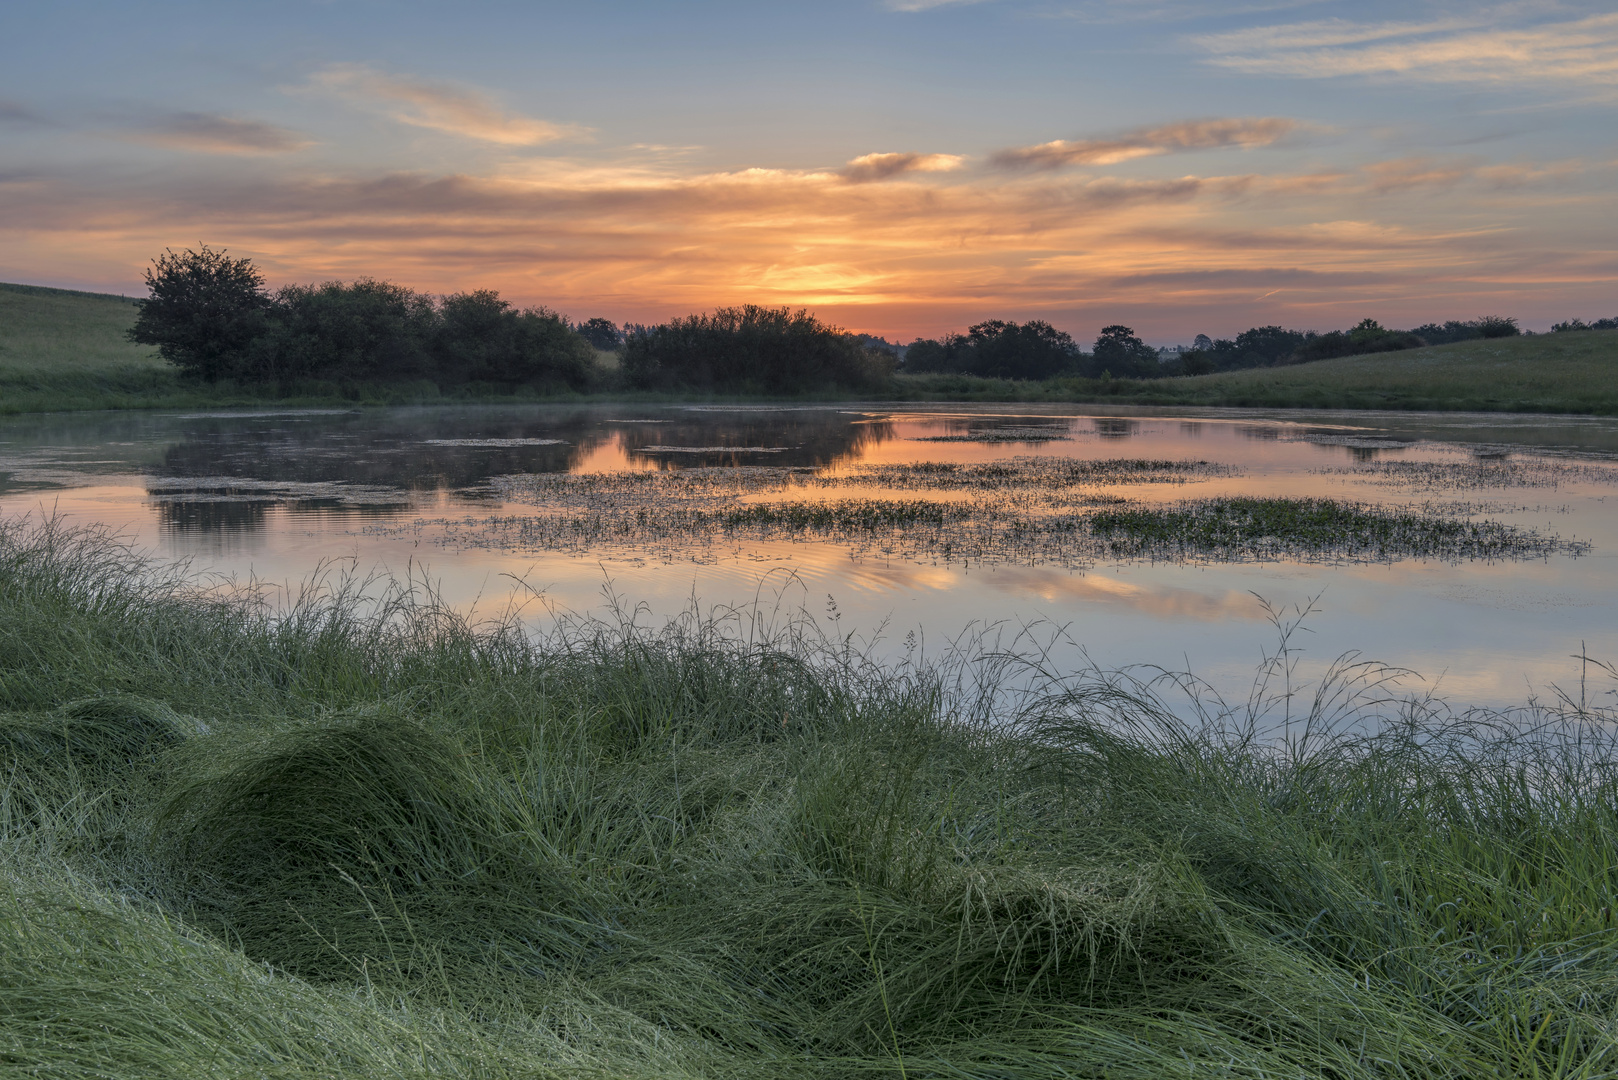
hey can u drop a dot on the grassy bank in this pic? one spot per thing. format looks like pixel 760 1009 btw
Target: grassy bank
pixel 62 350
pixel 1550 373
pixel 374 841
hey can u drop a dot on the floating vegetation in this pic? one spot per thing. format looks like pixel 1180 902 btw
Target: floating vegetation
pixel 242 489
pixel 495 442
pixel 1244 528
pixel 1356 442
pixel 1487 472
pixel 1003 435
pixel 1044 474
pixel 1052 479
pixel 659 449
pixel 1032 510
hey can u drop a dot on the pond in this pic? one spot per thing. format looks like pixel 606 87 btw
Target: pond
pixel 1476 550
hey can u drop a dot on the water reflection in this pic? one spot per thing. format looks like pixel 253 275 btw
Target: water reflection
pixel 1113 427
pixel 224 473
pixel 272 494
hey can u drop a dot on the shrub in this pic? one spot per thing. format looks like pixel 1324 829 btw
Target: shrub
pixel 1496 326
pixel 1368 337
pixel 1580 324
pixel 751 348
pixel 369 330
pixel 481 338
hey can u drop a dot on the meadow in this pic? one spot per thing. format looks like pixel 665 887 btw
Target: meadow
pixel 62 350
pixel 367 837
pixel 1569 372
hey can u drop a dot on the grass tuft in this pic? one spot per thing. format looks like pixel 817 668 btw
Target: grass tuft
pixel 364 837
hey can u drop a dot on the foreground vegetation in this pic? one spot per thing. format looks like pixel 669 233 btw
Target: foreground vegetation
pixel 370 840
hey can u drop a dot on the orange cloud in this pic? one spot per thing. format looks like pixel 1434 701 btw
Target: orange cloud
pixel 439 107
pixel 643 239
pixel 1149 142
pixel 870 167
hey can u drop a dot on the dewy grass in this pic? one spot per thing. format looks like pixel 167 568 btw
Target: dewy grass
pixel 369 839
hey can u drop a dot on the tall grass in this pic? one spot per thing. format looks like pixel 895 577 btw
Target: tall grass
pixel 365 837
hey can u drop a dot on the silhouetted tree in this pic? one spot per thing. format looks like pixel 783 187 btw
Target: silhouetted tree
pixel 1496 326
pixel 1034 350
pixel 602 334
pixel 1367 337
pixel 1580 324
pixel 997 348
pixel 204 311
pixel 752 348
pixel 482 338
pixel 1120 353
pixel 367 330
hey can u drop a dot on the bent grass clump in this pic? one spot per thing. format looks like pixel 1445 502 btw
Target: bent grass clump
pixel 383 842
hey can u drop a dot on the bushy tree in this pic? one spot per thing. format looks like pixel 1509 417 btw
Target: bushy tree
pixel 1580 324
pixel 365 331
pixel 601 334
pixel 751 348
pixel 1496 326
pixel 951 354
pixel 482 338
pixel 1034 350
pixel 1369 336
pixel 204 312
pixel 1119 353
pixel 997 348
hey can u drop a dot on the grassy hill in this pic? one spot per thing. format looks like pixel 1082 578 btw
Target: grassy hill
pixel 1557 373
pixel 1568 372
pixel 65 350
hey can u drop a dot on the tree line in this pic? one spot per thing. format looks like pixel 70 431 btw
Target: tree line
pixel 212 316
pixel 1036 350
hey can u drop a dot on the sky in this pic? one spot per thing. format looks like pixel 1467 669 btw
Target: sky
pixel 900 167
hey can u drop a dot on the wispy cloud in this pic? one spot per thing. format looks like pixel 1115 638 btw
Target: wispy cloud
pixel 1245 133
pixel 440 107
pixel 644 240
pixel 209 134
pixel 13 113
pixel 869 167
pixel 926 5
pixel 1162 11
pixel 1473 49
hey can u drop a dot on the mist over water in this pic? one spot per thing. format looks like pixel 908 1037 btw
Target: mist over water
pixel 497 504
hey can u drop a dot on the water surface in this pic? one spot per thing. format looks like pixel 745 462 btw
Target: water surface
pixel 467 496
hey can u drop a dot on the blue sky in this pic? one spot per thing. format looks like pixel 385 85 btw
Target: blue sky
pixel 903 167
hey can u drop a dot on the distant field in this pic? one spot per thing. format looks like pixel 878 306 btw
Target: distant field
pixel 62 350
pixel 66 350
pixel 1566 373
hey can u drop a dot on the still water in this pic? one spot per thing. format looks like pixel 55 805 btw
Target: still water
pixel 480 499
